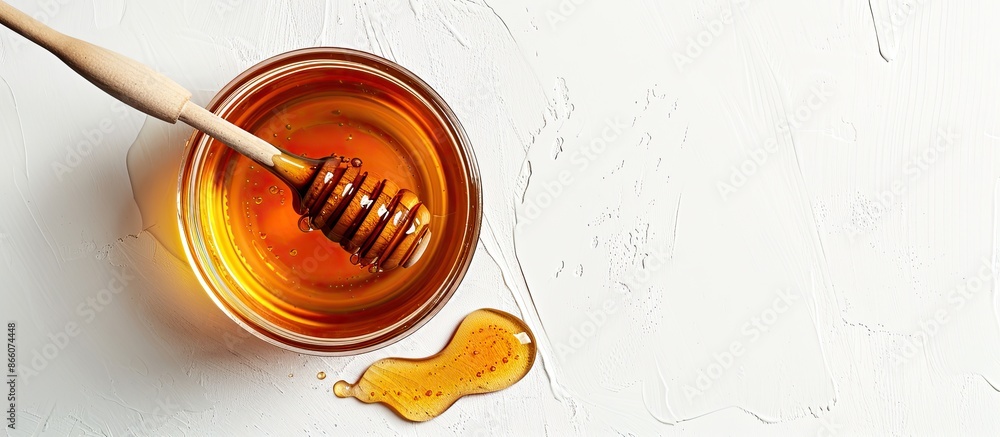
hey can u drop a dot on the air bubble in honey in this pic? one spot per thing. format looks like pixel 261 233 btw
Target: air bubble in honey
pixel 305 225
pixel 422 389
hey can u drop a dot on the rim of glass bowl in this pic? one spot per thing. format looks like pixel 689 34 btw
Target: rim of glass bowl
pixel 200 255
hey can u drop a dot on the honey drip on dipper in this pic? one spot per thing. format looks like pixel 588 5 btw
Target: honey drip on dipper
pixel 382 226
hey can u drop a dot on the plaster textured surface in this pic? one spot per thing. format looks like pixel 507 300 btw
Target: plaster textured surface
pixel 735 217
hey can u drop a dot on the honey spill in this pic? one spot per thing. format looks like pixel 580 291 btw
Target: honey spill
pixel 490 351
pixel 321 375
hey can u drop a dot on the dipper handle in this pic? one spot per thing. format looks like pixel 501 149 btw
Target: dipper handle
pixel 135 84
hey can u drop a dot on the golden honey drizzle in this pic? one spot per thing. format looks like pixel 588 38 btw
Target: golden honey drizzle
pixel 490 351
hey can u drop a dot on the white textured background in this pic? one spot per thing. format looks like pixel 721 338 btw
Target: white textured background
pixel 743 217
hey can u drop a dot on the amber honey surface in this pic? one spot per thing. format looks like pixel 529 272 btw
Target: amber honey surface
pixel 300 282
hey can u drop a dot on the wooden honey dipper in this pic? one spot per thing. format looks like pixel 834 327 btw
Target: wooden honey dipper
pixel 381 225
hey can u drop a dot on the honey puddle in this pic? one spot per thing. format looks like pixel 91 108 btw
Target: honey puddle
pixel 490 351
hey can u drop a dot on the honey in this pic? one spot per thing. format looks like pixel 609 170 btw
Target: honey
pixel 242 224
pixel 490 351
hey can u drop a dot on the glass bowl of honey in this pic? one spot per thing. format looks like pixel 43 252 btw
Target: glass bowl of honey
pixel 238 222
